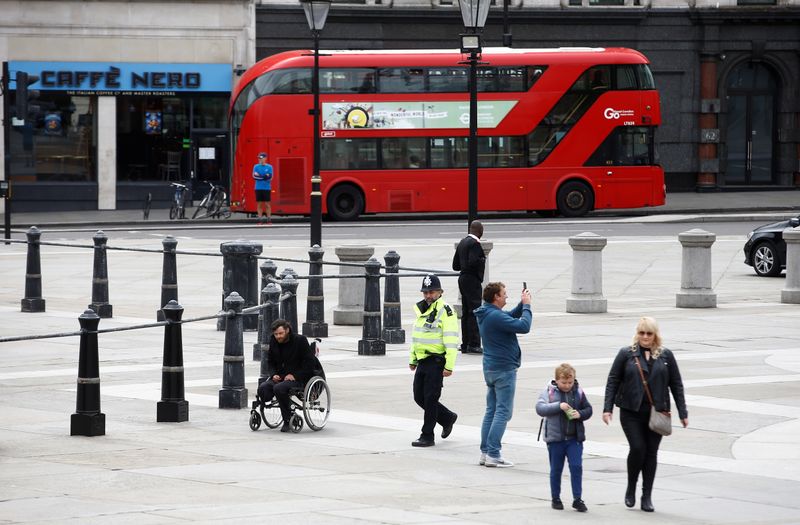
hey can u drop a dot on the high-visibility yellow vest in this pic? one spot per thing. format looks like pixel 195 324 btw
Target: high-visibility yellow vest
pixel 435 332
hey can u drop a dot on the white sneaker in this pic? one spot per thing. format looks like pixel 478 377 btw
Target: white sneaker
pixel 483 459
pixel 497 462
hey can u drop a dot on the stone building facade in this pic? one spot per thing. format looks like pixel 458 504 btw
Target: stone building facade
pixel 132 95
pixel 728 72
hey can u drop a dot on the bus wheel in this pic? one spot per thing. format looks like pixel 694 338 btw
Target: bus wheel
pixel 574 199
pixel 345 203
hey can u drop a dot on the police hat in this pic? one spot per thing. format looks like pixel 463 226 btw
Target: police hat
pixel 262 155
pixel 430 283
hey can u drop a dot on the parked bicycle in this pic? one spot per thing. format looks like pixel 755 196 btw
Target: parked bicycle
pixel 178 208
pixel 214 204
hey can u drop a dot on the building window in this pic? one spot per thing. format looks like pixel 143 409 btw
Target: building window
pixel 57 142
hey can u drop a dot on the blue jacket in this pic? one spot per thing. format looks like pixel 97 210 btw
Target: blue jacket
pixel 557 426
pixel 499 331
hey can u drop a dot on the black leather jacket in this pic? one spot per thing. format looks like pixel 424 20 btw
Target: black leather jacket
pixel 624 386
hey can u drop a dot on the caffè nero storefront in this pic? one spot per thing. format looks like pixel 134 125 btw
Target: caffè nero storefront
pixel 102 135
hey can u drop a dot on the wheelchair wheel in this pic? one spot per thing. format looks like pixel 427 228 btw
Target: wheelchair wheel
pixel 316 403
pixel 271 414
pixel 296 423
pixel 255 420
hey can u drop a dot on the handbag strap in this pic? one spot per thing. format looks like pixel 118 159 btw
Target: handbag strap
pixel 644 382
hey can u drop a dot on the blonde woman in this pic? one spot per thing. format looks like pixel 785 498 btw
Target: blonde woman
pixel 624 388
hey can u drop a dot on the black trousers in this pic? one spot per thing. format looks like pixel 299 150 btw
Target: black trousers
pixel 470 288
pixel 643 442
pixel 280 391
pixel 428 382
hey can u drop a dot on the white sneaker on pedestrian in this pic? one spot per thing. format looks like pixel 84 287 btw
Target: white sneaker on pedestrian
pixel 497 462
pixel 483 459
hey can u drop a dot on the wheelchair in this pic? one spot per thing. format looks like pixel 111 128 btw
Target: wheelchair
pixel 314 400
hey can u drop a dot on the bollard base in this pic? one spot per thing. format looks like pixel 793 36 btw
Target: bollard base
pixel 233 398
pixel 587 306
pixel 103 310
pixel 88 425
pixel 371 347
pixel 790 296
pixel 695 300
pixel 348 317
pixel 394 336
pixel 172 411
pixel 315 329
pixel 33 304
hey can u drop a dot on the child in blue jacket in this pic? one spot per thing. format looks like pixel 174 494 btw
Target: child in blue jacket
pixel 565 407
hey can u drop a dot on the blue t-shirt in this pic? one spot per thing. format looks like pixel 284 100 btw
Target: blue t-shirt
pixel 262 173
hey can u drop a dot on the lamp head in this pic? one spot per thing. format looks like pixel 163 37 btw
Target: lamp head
pixel 474 13
pixel 316 13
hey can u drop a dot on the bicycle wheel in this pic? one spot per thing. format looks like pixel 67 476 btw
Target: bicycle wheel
pixel 202 207
pixel 215 206
pixel 173 211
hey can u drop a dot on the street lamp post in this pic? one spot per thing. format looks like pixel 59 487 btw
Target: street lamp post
pixel 474 13
pixel 316 13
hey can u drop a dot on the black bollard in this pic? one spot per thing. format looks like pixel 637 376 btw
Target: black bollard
pixel 87 419
pixel 289 306
pixel 172 407
pixel 33 301
pixel 371 342
pixel 233 393
pixel 169 275
pixel 392 328
pixel 100 277
pixel 240 274
pixel 315 325
pixel 268 269
pixel 272 295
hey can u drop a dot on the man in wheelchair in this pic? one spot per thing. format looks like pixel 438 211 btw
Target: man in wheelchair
pixel 291 363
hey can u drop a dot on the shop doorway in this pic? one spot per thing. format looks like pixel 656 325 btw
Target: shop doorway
pixel 209 160
pixel 751 94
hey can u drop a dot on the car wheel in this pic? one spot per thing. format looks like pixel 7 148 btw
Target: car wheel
pixel 345 203
pixel 765 260
pixel 574 199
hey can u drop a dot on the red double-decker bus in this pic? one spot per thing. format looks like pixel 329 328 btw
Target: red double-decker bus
pixel 564 130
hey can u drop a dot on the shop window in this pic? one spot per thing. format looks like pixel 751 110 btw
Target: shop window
pixel 57 142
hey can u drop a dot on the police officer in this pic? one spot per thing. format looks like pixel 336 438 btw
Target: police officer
pixel 433 355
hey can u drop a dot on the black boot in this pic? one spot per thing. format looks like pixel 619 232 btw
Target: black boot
pixel 647 504
pixel 630 496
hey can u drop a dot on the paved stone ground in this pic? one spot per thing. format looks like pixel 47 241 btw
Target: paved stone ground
pixel 738 462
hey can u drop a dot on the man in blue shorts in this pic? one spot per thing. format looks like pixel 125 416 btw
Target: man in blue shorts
pixel 262 173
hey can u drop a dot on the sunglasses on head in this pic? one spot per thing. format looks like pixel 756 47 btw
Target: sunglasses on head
pixel 642 332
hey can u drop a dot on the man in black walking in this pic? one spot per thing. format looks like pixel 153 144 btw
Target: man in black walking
pixel 470 261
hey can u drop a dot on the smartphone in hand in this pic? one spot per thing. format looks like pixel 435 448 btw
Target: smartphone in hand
pixel 524 285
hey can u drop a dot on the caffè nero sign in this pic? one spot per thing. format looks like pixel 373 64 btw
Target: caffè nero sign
pixel 104 78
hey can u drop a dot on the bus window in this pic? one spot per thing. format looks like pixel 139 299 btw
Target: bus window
pixel 352 154
pixel 403 153
pixel 505 79
pixel 645 77
pixel 449 152
pixel 626 77
pixel 447 79
pixel 625 146
pixel 501 152
pixel 347 80
pixel 401 80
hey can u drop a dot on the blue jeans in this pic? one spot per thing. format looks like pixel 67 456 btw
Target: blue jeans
pixel 571 450
pixel 500 388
